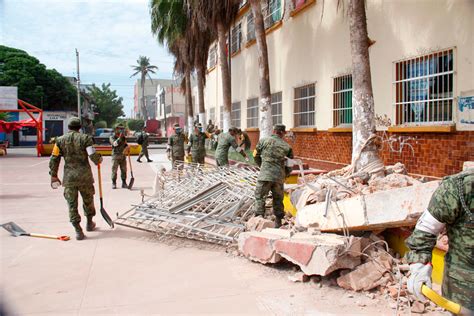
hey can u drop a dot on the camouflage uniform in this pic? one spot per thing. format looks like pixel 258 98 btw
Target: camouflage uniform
pixel 197 146
pixel 144 144
pixel 224 141
pixel 453 205
pixel 118 157
pixel 176 145
pixel 270 155
pixel 77 172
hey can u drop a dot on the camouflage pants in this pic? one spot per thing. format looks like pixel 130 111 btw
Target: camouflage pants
pixel 459 291
pixel 261 193
pixel 144 152
pixel 71 195
pixel 122 163
pixel 198 156
pixel 222 160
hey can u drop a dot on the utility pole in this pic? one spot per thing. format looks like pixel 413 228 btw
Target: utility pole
pixel 78 87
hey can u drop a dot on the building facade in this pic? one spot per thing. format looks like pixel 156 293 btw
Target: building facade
pixel 171 105
pixel 422 64
pixel 150 98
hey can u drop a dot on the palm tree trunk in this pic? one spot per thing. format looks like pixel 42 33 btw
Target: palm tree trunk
pixel 364 150
pixel 200 84
pixel 144 110
pixel 226 83
pixel 189 101
pixel 265 123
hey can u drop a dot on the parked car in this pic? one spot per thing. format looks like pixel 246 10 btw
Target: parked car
pixel 104 132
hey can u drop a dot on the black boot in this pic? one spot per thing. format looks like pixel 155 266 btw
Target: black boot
pixel 79 234
pixel 114 185
pixel 90 224
pixel 149 160
pixel 124 184
pixel 277 222
pixel 138 160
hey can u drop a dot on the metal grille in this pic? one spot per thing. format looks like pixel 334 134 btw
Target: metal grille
pixel 423 89
pixel 235 114
pixel 342 100
pixel 277 108
pixel 250 27
pixel 236 38
pixel 304 109
pixel 252 112
pixel 212 60
pixel 271 11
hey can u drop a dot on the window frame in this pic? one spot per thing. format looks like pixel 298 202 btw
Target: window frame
pixel 236 40
pixel 235 114
pixel 267 15
pixel 212 58
pixel 252 108
pixel 277 118
pixel 308 112
pixel 250 31
pixel 335 98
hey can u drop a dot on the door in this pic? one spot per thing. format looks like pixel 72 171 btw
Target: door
pixel 54 128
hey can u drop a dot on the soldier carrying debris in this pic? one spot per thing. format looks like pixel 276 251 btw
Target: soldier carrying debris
pixel 175 148
pixel 197 144
pixel 451 207
pixel 76 148
pixel 271 155
pixel 224 141
pixel 119 159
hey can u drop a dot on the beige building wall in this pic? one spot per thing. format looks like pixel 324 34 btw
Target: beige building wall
pixel 311 48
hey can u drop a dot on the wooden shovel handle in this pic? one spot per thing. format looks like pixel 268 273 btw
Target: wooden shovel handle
pixel 100 180
pixel 130 162
pixel 64 238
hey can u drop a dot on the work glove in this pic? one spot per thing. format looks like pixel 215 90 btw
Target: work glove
pixel 419 274
pixel 55 182
pixel 247 159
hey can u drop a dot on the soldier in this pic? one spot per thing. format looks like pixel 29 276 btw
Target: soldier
pixel 119 159
pixel 271 155
pixel 451 207
pixel 142 140
pixel 175 148
pixel 224 141
pixel 210 127
pixel 197 144
pixel 76 148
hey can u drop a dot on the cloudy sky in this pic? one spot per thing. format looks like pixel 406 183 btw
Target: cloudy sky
pixel 109 34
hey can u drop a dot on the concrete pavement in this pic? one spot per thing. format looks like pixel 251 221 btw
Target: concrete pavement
pixel 125 271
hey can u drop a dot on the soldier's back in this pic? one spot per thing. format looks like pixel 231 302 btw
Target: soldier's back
pixel 274 151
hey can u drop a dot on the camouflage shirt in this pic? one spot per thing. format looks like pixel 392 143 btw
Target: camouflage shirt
pixel 145 139
pixel 176 143
pixel 224 141
pixel 118 146
pixel 72 146
pixel 270 154
pixel 197 143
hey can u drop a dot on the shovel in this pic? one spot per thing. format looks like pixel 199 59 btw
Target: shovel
pixel 17 231
pixel 454 308
pixel 132 179
pixel 102 210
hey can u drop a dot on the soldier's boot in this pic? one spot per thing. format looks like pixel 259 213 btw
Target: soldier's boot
pixel 90 224
pixel 139 160
pixel 277 222
pixel 114 185
pixel 149 160
pixel 124 184
pixel 79 233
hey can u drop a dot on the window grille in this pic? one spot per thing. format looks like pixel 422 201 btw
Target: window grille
pixel 277 108
pixel 304 106
pixel 342 100
pixel 252 112
pixel 235 114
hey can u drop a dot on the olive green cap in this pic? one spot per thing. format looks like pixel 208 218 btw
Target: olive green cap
pixel 279 127
pixel 119 125
pixel 74 122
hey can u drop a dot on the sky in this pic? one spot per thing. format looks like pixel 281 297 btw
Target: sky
pixel 109 34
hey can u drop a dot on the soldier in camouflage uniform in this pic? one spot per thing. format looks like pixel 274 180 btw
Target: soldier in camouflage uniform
pixel 76 148
pixel 451 207
pixel 271 155
pixel 224 141
pixel 175 148
pixel 119 159
pixel 197 144
pixel 144 144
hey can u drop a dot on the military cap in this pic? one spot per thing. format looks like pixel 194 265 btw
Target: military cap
pixel 119 125
pixel 74 122
pixel 279 127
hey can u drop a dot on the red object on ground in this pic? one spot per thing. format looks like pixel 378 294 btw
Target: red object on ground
pixel 153 127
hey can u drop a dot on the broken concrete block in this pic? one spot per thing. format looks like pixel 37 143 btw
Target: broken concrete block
pixel 381 209
pixel 298 277
pixel 258 224
pixel 418 307
pixel 258 246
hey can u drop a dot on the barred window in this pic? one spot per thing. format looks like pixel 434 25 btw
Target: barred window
pixel 276 108
pixel 252 112
pixel 271 11
pixel 342 100
pixel 235 114
pixel 250 27
pixel 423 89
pixel 236 38
pixel 304 109
pixel 212 59
pixel 221 116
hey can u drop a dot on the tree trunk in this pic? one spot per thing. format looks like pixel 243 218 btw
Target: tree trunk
pixel 265 119
pixel 364 149
pixel 144 110
pixel 189 101
pixel 200 84
pixel 226 83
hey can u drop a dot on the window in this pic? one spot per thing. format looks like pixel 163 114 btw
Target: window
pixel 236 38
pixel 235 114
pixel 304 105
pixel 221 116
pixel 212 115
pixel 424 89
pixel 342 100
pixel 30 131
pixel 250 27
pixel 252 112
pixel 212 59
pixel 276 108
pixel 271 11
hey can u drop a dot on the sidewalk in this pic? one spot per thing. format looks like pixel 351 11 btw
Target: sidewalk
pixel 125 271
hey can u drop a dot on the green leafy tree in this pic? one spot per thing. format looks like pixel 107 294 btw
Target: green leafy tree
pixel 4 116
pixel 108 105
pixel 144 68
pixel 36 84
pixel 135 124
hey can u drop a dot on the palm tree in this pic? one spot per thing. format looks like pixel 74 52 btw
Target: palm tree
pixel 144 68
pixel 219 15
pixel 364 150
pixel 265 123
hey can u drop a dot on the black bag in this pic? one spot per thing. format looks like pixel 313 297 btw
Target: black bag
pixel 140 139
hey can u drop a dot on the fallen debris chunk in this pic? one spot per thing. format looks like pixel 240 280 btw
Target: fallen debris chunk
pixel 418 307
pixel 258 224
pixel 298 277
pixel 258 246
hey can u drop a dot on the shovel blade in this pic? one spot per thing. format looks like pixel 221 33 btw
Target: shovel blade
pixel 130 185
pixel 106 217
pixel 14 229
